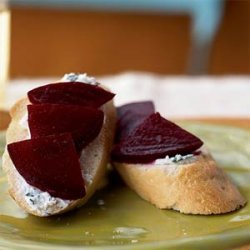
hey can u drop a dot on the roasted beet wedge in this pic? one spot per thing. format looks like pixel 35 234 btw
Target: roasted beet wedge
pixel 51 164
pixel 75 93
pixel 155 138
pixel 131 115
pixel 84 123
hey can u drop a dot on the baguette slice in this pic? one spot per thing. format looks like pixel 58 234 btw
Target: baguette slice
pixel 94 159
pixel 194 186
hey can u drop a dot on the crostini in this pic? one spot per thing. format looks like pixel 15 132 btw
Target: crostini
pixel 58 144
pixel 168 166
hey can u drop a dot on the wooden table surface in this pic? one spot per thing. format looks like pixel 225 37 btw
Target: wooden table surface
pixel 237 122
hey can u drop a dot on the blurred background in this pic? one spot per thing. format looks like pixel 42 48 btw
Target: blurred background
pixel 197 51
pixel 51 37
pixel 191 57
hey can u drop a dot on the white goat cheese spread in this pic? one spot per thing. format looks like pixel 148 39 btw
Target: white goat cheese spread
pixel 73 77
pixel 41 201
pixel 183 159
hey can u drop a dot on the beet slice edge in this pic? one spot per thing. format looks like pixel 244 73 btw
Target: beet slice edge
pixel 51 164
pixel 74 93
pixel 155 138
pixel 84 123
pixel 130 116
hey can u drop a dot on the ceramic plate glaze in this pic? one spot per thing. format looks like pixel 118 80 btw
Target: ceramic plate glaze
pixel 117 218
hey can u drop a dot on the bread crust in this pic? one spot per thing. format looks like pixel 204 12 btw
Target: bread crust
pixel 96 154
pixel 199 187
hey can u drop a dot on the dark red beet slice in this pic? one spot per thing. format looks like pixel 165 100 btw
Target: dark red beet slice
pixel 141 108
pixel 75 93
pixel 51 164
pixel 131 115
pixel 156 137
pixel 84 123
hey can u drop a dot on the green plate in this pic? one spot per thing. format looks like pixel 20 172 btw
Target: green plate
pixel 117 218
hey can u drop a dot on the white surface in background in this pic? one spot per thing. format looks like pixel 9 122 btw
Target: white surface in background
pixel 173 96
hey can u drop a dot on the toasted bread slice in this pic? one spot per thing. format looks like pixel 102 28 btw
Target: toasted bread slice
pixel 192 186
pixel 94 158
